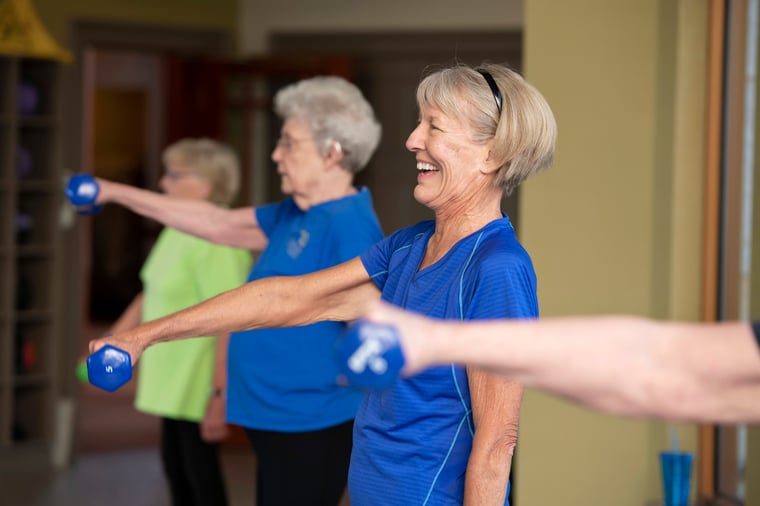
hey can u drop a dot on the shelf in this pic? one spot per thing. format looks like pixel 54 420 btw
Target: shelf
pixel 30 195
pixel 31 380
pixel 34 252
pixel 37 121
pixel 37 186
pixel 33 316
pixel 35 219
pixel 7 68
pixel 32 409
pixel 32 351
pixel 34 155
pixel 33 282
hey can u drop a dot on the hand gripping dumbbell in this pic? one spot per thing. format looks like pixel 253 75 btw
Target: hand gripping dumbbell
pixel 82 190
pixel 108 368
pixel 370 355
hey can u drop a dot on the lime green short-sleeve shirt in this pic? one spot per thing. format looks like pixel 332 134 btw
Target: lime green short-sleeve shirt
pixel 174 378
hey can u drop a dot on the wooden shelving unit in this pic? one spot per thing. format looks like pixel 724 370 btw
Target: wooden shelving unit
pixel 30 195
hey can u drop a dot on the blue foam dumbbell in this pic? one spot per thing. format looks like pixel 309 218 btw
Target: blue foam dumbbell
pixel 370 355
pixel 109 368
pixel 82 190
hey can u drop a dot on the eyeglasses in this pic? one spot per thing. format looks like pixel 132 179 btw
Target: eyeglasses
pixel 174 175
pixel 288 143
pixel 494 89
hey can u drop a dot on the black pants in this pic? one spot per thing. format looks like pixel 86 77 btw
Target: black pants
pixel 302 468
pixel 191 465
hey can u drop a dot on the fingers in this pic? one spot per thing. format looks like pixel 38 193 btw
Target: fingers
pixel 214 433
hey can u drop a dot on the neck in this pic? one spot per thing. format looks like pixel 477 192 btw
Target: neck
pixel 339 184
pixel 451 227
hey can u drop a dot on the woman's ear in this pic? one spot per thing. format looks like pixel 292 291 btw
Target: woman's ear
pixel 335 153
pixel 489 166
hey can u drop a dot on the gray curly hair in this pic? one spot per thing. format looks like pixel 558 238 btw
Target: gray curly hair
pixel 336 112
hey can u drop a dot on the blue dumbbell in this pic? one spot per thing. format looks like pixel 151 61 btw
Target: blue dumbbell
pixel 109 368
pixel 370 355
pixel 82 190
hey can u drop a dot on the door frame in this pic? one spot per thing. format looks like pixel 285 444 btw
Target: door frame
pixel 75 241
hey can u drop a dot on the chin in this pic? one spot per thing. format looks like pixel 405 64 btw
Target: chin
pixel 419 196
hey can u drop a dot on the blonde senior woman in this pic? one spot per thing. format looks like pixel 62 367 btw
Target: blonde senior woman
pixel 445 436
pixel 281 386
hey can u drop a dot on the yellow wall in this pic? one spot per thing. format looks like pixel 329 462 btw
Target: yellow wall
pixel 57 15
pixel 615 226
pixel 260 18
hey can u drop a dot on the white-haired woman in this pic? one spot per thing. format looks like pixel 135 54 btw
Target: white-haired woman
pixel 281 386
pixel 175 378
pixel 445 436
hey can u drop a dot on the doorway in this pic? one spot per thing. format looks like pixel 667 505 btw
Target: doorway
pixel 122 116
pixel 387 68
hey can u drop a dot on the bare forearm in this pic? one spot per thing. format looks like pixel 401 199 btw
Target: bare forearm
pixel 337 294
pixel 269 302
pixel 496 405
pixel 487 478
pixel 193 216
pixel 219 380
pixel 620 365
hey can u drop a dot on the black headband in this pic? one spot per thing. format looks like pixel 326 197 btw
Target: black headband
pixel 494 89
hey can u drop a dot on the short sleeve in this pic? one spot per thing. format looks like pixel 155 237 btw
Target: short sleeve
pixel 218 269
pixel 756 331
pixel 376 260
pixel 268 215
pixel 504 287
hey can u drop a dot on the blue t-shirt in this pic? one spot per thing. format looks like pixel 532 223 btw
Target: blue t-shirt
pixel 412 441
pixel 284 379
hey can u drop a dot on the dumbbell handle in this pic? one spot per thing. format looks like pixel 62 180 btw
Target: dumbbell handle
pixel 109 368
pixel 82 190
pixel 370 355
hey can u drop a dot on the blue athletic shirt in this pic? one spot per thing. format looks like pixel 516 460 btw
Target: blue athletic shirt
pixel 284 379
pixel 413 440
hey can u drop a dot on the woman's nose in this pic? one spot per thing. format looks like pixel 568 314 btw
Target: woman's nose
pixel 414 141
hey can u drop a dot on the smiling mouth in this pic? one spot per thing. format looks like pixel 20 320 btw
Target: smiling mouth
pixel 426 168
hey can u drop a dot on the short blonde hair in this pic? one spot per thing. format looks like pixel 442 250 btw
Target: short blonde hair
pixel 336 111
pixel 524 131
pixel 209 160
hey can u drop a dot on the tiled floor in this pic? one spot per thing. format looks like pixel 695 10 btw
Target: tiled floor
pixel 124 478
pixel 117 462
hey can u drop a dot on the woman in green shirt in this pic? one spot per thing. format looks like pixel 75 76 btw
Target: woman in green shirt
pixel 182 382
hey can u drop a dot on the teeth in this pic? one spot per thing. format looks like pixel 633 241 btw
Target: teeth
pixel 426 167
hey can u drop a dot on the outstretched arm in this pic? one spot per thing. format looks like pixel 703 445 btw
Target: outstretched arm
pixel 339 293
pixel 231 227
pixel 620 365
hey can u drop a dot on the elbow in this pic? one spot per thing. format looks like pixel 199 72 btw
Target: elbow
pixel 501 446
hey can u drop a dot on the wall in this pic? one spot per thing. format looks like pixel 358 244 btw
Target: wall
pixel 260 18
pixel 615 226
pixel 57 15
pixel 623 203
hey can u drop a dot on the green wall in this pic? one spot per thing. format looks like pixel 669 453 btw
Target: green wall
pixel 615 225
